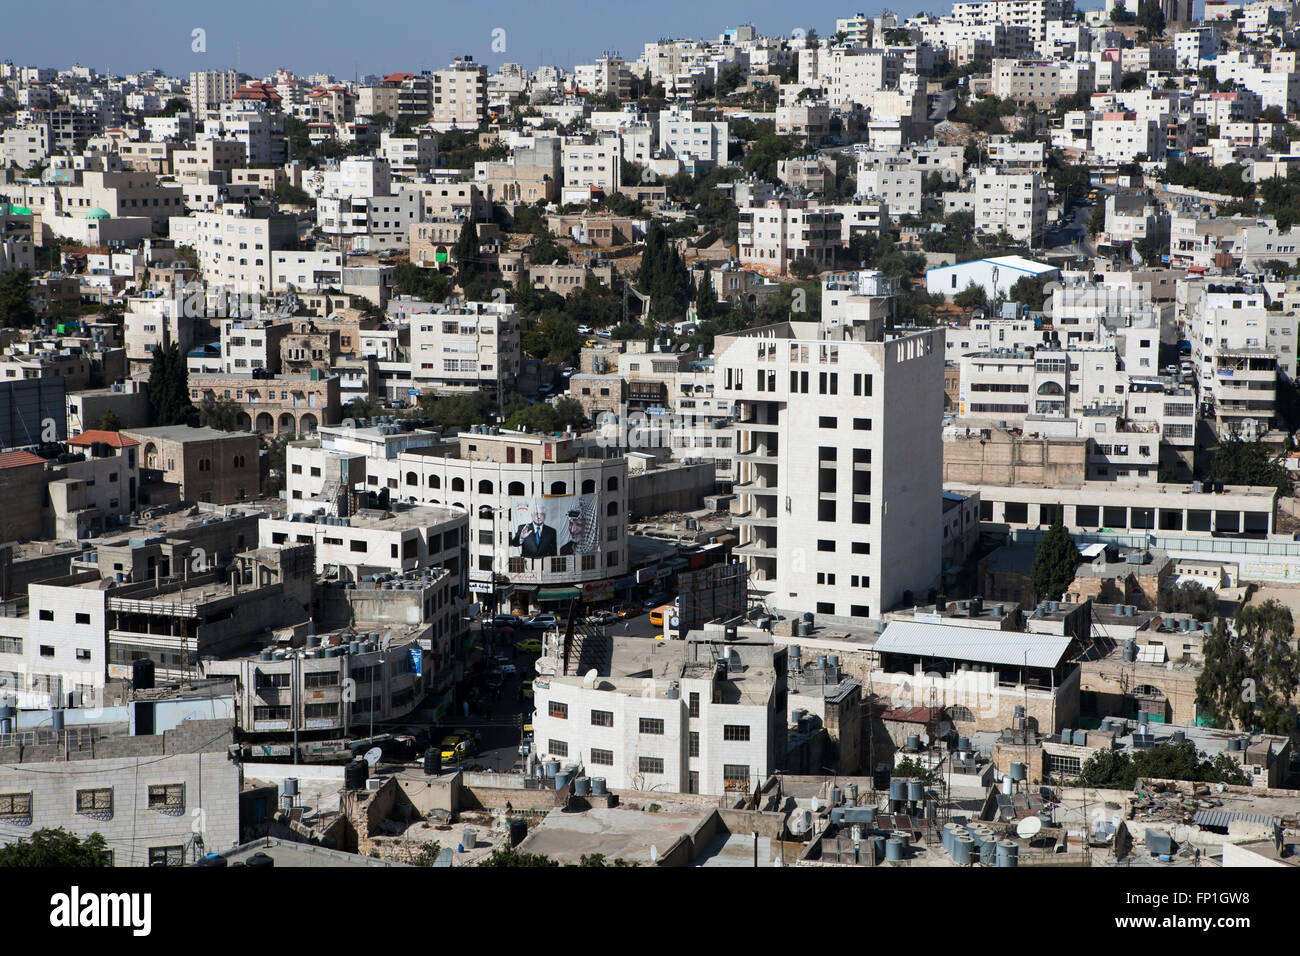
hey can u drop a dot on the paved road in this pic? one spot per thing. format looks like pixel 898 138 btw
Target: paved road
pixel 498 729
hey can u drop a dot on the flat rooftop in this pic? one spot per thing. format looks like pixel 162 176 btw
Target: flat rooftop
pixel 302 854
pixel 183 433
pixel 617 832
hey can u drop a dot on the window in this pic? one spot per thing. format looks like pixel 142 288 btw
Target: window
pixel 694 702
pixel 46 615
pixel 47 650
pixel 95 801
pixel 166 856
pixel 603 758
pixel 357 546
pixel 602 718
pixel 862 424
pixel 15 805
pixel 735 776
pixel 167 796
pixel 83 618
pixel 651 725
pixel 650 764
pixel 827 421
pixel 693 744
pixel 557 748
pixel 559 711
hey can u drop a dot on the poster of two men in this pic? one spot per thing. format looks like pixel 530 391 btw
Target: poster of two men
pixel 555 526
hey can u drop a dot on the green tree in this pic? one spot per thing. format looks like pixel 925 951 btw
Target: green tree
pixel 804 267
pixel 1190 597
pixel 220 413
pixel 272 466
pixel 507 856
pixel 428 855
pixel 16 308
pixel 553 338
pixel 428 285
pixel 972 297
pixel 706 298
pixel 1239 462
pixel 364 406
pixel 169 396
pixel 1252 671
pixel 1054 564
pixel 460 411
pixel 109 421
pixel 1151 18
pixel 56 849
pixel 469 263
pixel 1029 291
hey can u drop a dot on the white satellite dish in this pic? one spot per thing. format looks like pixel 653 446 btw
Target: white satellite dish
pixel 373 755
pixel 925 740
pixel 589 678
pixel 1028 828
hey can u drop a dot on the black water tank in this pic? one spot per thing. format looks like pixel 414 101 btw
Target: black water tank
pixel 518 830
pixel 355 775
pixel 260 860
pixel 142 674
pixel 433 761
pixel 213 859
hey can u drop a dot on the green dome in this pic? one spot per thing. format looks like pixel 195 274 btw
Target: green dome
pixel 98 212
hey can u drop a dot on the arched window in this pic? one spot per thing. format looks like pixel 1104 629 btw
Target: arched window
pixel 515 489
pixel 458 484
pixel 1050 388
pixel 411 478
pixel 612 484
pixel 588 486
pixel 435 481
pixel 485 487
pixel 611 509
pixel 559 488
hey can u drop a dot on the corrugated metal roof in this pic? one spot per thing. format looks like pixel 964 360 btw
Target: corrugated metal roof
pixel 979 645
pixel 1221 818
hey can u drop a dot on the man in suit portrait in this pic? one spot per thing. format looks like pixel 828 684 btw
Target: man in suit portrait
pixel 536 539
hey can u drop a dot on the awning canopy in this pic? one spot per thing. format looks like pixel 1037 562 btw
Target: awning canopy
pixel 559 594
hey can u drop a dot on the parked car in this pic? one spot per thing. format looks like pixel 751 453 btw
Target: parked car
pixel 529 645
pixel 507 620
pixel 541 622
pixel 627 609
pixel 655 600
pixel 584 330
pixel 601 618
pixel 509 669
pixel 457 747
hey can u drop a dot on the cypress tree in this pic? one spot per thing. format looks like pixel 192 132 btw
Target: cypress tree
pixel 1054 564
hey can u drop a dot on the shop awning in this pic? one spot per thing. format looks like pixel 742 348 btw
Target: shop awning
pixel 559 594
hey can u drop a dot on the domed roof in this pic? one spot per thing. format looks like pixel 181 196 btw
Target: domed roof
pixel 98 212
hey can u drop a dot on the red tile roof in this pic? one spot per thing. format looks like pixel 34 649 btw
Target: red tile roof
pixel 16 459
pixel 115 439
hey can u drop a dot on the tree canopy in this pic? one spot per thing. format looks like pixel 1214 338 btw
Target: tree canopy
pixel 16 299
pixel 56 848
pixel 1054 564
pixel 1239 462
pixel 169 396
pixel 1120 769
pixel 1251 671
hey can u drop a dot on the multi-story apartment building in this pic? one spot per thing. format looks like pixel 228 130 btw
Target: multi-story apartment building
pixel 775 232
pixel 1014 201
pixel 703 716
pixel 274 404
pixel 472 346
pixel 209 89
pixel 698 141
pixel 826 410
pixel 458 95
pixel 235 243
pixel 1033 15
pixel 504 481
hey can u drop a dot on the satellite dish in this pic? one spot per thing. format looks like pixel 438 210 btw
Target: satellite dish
pixel 654 853
pixel 589 678
pixel 1028 828
pixel 925 740
pixel 373 755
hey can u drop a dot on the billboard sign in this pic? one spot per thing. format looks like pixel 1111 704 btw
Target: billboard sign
pixel 554 526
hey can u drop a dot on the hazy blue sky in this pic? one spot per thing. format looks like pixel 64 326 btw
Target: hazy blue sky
pixel 380 36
